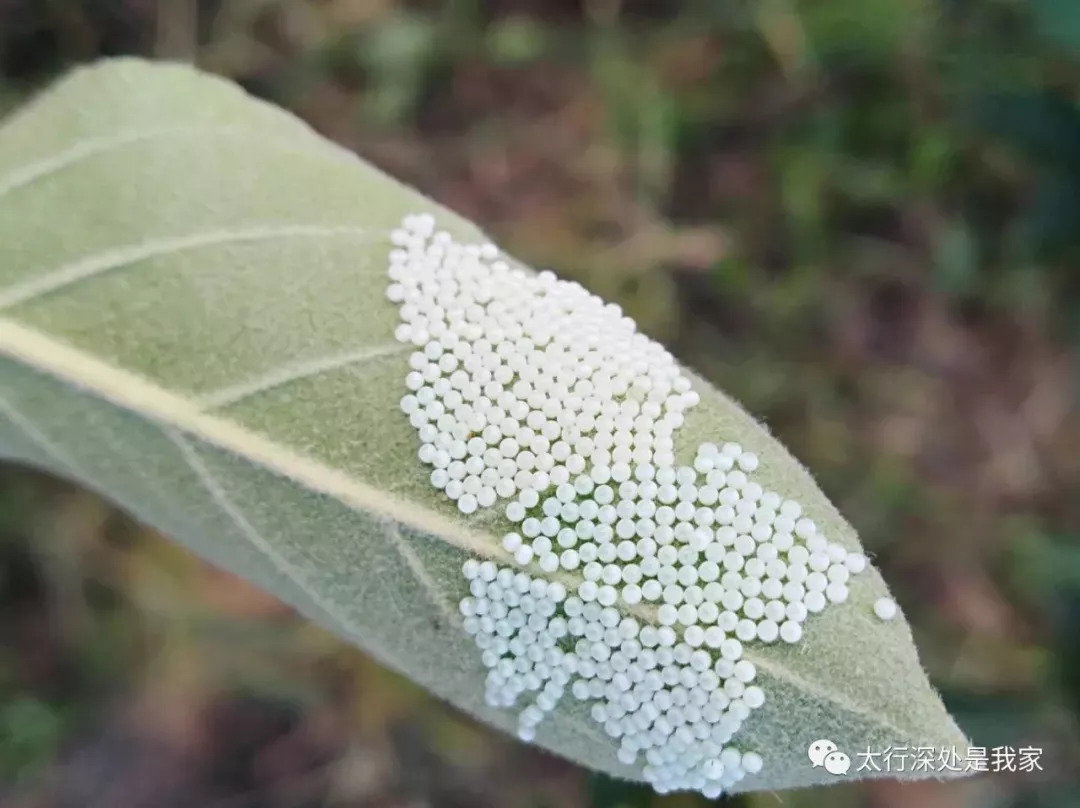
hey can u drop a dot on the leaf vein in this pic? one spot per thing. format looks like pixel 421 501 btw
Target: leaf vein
pixel 288 373
pixel 139 396
pixel 416 566
pixel 240 521
pixel 99 263
pixel 35 435
pixel 91 147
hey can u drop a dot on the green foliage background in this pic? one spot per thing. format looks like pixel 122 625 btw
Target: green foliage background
pixel 861 218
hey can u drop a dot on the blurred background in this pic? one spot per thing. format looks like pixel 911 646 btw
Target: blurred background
pixel 859 217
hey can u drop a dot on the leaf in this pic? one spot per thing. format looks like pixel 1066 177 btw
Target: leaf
pixel 192 323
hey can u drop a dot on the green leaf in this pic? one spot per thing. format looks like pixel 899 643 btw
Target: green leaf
pixel 192 322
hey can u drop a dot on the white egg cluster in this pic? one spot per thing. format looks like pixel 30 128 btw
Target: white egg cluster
pixel 522 381
pixel 672 703
pixel 529 389
pixel 716 561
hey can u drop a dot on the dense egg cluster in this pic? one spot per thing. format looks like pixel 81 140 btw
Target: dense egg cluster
pixel 529 389
pixel 522 381
pixel 660 697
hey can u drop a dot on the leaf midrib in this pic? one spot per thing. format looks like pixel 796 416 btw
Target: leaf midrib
pixel 142 397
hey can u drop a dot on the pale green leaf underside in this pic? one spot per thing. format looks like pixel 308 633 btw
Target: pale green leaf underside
pixel 192 323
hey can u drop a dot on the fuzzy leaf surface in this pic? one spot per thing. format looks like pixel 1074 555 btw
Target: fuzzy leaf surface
pixel 193 323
